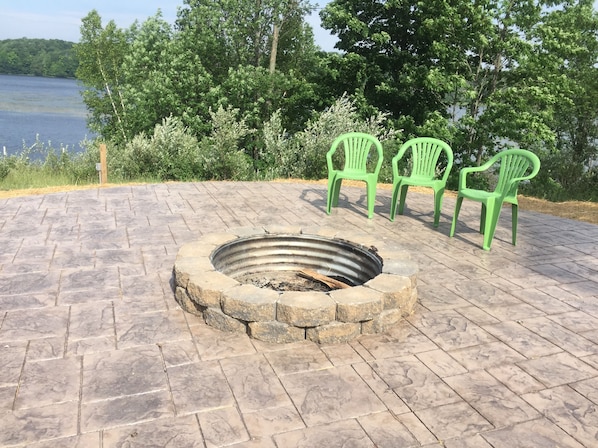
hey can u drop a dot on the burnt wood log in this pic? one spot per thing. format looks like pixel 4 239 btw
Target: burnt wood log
pixel 328 281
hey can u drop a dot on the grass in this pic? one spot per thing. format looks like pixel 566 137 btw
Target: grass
pixel 33 179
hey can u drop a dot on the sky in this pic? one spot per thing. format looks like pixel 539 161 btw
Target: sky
pixel 61 19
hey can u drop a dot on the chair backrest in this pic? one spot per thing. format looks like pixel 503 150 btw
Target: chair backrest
pixel 357 147
pixel 515 165
pixel 425 152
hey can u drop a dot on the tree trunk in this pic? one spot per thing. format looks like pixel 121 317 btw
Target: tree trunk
pixel 275 32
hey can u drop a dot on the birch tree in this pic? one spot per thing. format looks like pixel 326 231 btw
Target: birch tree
pixel 101 52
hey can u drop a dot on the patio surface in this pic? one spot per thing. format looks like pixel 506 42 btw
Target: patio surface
pixel 502 350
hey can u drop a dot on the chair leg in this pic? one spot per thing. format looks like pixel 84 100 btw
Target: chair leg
pixel 483 215
pixel 329 196
pixel 337 190
pixel 456 215
pixel 514 213
pixel 371 194
pixel 404 189
pixel 492 215
pixel 393 204
pixel 334 187
pixel 437 205
pixel 487 232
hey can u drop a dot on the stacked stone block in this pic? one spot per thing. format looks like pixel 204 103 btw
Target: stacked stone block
pixel 281 317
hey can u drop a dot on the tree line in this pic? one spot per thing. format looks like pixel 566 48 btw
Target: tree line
pixel 246 93
pixel 38 57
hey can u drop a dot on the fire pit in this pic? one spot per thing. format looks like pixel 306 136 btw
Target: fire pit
pixel 286 284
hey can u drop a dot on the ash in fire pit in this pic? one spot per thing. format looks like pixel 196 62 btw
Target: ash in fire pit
pixel 251 284
pixel 294 281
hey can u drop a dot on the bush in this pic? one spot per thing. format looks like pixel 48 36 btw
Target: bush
pixel 557 179
pixel 171 153
pixel 4 168
pixel 58 161
pixel 82 167
pixel 278 155
pixel 304 155
pixel 219 153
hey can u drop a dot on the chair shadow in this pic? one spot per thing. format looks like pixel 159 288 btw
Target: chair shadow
pixel 317 197
pixel 426 218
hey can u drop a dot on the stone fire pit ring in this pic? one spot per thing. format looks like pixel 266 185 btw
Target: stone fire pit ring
pixel 206 284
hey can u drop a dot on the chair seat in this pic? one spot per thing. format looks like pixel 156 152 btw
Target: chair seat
pixel 425 156
pixel 358 148
pixel 421 182
pixel 516 165
pixel 353 175
pixel 478 195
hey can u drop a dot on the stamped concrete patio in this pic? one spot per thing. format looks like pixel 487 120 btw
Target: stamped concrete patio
pixel 502 350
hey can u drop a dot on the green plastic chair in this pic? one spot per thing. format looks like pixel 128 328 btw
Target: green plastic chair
pixel 357 147
pixel 514 164
pixel 425 153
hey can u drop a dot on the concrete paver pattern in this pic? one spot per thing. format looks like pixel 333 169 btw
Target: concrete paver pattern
pixel 502 350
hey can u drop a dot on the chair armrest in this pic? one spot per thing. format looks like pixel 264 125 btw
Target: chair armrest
pixel 463 175
pixel 329 154
pixel 473 169
pixel 396 158
pixel 379 163
pixel 449 165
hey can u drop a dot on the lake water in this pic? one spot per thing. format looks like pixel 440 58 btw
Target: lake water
pixel 50 108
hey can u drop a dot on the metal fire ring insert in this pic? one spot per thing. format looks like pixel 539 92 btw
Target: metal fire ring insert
pixel 383 275
pixel 291 252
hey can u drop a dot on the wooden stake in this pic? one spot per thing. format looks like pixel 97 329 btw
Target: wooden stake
pixel 103 164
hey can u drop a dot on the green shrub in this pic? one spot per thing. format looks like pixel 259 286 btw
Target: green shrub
pixel 220 155
pixel 59 161
pixel 278 154
pixel 304 155
pixel 171 153
pixel 82 166
pixel 557 178
pixel 4 168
